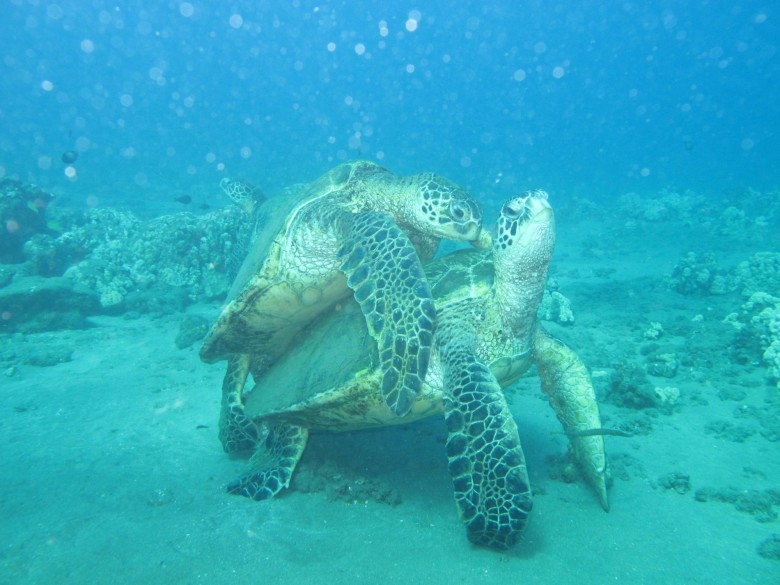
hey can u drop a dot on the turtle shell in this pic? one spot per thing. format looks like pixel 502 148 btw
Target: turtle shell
pixel 277 220
pixel 318 381
pixel 328 379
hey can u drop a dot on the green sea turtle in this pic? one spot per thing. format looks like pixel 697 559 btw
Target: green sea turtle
pixel 244 194
pixel 487 336
pixel 357 228
pixel 248 198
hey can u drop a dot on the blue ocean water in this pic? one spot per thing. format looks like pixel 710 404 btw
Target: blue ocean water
pixel 585 98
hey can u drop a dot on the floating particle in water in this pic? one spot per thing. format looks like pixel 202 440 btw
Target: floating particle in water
pixel 69 156
pixel 185 199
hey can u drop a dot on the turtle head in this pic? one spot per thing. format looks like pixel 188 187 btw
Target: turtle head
pixel 526 228
pixel 522 250
pixel 242 193
pixel 445 210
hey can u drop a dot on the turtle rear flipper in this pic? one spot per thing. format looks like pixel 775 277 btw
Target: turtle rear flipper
pixel 569 389
pixel 273 463
pixel 389 284
pixel 237 432
pixel 486 460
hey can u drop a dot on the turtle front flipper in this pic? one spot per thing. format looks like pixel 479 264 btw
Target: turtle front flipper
pixel 273 463
pixel 236 431
pixel 486 460
pixel 569 389
pixel 389 283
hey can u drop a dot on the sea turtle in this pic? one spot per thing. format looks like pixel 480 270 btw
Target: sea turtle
pixel 357 228
pixel 487 336
pixel 248 198
pixel 244 194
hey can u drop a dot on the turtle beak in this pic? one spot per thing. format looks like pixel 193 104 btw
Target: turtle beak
pixel 483 241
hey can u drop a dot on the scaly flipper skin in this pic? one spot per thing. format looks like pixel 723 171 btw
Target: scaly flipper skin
pixel 273 463
pixel 486 461
pixel 569 389
pixel 389 283
pixel 236 432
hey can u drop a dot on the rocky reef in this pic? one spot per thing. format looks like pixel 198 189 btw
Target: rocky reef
pixel 668 204
pixel 700 275
pixel 757 325
pixel 181 256
pixel 55 272
pixel 554 306
pixel 23 211
pixel 757 321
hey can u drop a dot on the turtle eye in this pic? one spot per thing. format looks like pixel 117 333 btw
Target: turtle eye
pixel 516 207
pixel 458 210
pixel 511 211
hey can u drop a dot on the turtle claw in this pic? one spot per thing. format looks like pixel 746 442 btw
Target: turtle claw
pixel 603 497
pixel 592 462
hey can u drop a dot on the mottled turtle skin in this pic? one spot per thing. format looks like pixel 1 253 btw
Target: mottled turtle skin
pixel 487 336
pixel 359 229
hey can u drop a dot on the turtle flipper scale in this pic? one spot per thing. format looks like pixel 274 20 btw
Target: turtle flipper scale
pixel 237 432
pixel 273 463
pixel 389 284
pixel 486 460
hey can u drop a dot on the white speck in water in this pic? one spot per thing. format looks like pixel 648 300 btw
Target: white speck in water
pixel 186 9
